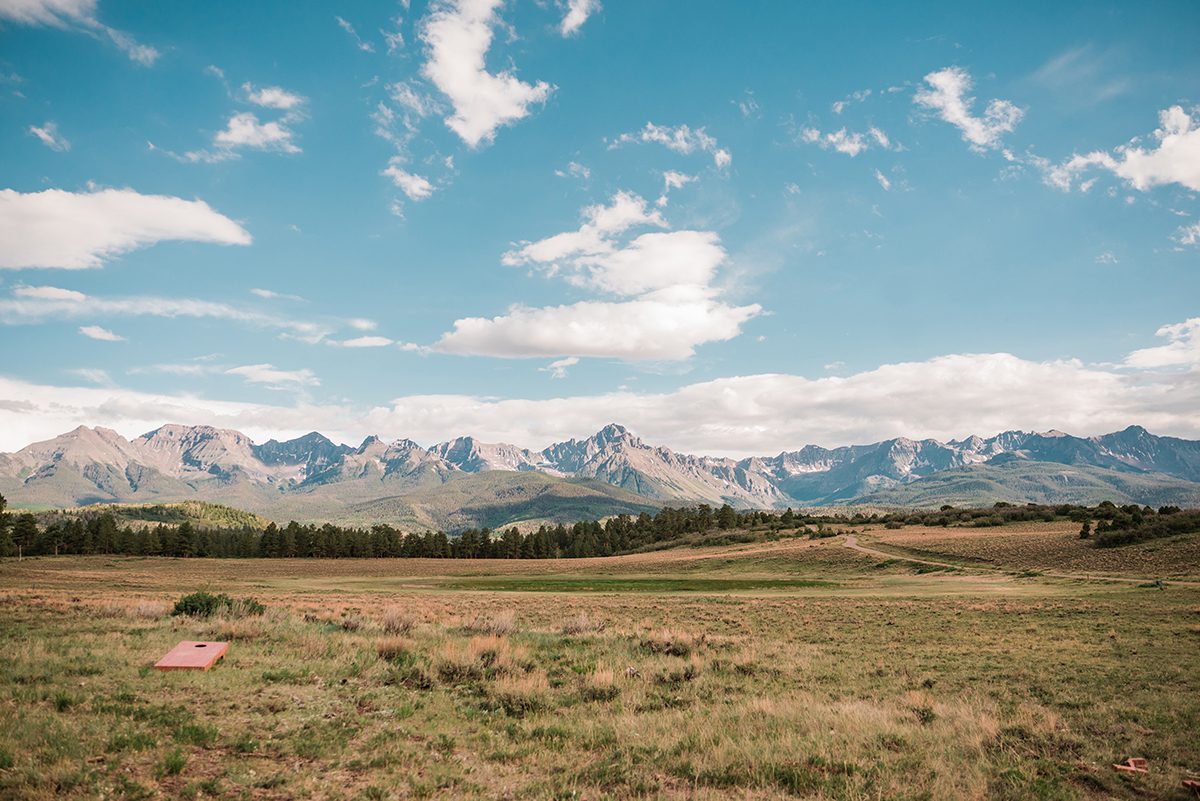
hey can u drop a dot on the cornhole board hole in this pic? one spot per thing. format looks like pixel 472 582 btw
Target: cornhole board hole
pixel 192 655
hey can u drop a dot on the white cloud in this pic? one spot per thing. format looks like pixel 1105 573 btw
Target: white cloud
pixel 626 211
pixel 673 180
pixel 49 293
pixel 102 334
pixel 558 369
pixel 55 228
pixel 948 96
pixel 669 276
pixel 664 325
pixel 95 375
pixel 273 97
pixel 365 342
pixel 850 143
pixel 269 294
pixel 245 130
pixel 362 324
pixel 1188 234
pixel 1174 159
pixel 681 139
pixel 1182 348
pixel 577 13
pixel 37 304
pixel 854 97
pixel 273 378
pixel 457 35
pixel 77 15
pixel 945 397
pixel 574 170
pixel 883 180
pixel 411 100
pixel 50 136
pixel 366 47
pixel 1107 257
pixel 415 186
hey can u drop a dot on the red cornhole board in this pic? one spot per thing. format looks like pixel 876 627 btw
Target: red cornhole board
pixel 192 655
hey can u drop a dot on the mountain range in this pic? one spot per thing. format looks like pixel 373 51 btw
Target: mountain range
pixel 465 482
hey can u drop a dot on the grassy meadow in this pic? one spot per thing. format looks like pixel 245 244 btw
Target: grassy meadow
pixel 791 669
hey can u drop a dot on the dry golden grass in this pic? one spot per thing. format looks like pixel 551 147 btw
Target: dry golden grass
pixel 1047 547
pixel 882 685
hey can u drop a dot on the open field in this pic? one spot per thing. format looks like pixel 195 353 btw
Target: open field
pixel 791 669
pixel 1050 547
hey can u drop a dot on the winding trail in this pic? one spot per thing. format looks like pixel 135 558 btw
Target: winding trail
pixel 851 542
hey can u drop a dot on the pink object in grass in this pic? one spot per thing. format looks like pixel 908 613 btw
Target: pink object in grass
pixel 192 655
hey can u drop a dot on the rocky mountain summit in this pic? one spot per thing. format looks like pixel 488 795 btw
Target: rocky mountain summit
pixel 178 462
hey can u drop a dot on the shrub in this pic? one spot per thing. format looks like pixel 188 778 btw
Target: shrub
pixel 205 604
pixel 397 621
pixel 393 649
pixel 500 624
pixel 580 624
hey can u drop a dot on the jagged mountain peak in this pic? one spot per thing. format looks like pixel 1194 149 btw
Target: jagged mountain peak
pixel 91 464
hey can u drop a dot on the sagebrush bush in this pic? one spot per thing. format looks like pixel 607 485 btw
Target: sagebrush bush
pixel 397 621
pixel 205 604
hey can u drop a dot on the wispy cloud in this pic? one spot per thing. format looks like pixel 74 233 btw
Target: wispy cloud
pixel 78 15
pixel 102 334
pixel 50 136
pixel 681 139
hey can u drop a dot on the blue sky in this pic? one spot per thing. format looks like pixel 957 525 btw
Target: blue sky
pixel 734 227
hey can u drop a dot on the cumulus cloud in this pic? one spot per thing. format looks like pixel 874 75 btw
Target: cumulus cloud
pixel 1173 159
pixel 102 334
pixel 50 137
pixel 680 139
pixel 1182 348
pixel 415 186
pixel 79 15
pixel 668 304
pixel 578 12
pixel 666 325
pixel 273 378
pixel 594 235
pixel 245 130
pixel 457 36
pixel 945 397
pixel 272 97
pixel 948 95
pixel 74 230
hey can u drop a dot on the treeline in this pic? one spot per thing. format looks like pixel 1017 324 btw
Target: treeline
pixel 1127 525
pixel 100 532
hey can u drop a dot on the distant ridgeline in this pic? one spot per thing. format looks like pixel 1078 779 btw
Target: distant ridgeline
pixel 99 532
